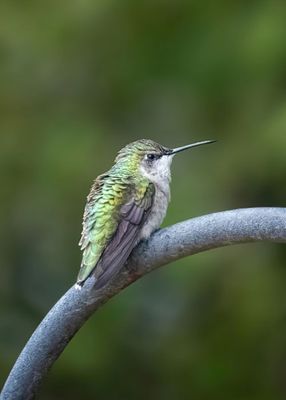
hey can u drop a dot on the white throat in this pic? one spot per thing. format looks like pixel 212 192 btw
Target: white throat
pixel 160 174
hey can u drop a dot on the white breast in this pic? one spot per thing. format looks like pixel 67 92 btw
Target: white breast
pixel 161 177
pixel 158 212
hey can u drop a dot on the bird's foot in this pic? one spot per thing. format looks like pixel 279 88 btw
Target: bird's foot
pixel 77 286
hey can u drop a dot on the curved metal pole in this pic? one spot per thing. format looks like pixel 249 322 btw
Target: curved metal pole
pixel 166 245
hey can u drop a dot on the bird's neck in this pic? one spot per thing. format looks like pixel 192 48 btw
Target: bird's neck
pixel 160 179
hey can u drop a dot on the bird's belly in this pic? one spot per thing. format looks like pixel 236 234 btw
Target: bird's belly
pixel 157 213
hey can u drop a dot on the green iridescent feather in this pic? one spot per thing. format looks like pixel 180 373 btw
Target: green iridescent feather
pixel 105 214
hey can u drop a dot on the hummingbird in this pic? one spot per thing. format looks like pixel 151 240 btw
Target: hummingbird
pixel 125 205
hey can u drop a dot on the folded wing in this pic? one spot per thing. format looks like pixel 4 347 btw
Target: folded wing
pixel 133 215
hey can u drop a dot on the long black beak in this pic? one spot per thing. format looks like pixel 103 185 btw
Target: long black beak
pixel 189 146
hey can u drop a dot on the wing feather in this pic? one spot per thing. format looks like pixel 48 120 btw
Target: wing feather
pixel 132 216
pixel 89 216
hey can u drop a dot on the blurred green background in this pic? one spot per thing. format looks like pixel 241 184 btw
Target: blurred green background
pixel 78 80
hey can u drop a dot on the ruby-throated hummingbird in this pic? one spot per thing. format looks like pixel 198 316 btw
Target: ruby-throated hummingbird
pixel 125 205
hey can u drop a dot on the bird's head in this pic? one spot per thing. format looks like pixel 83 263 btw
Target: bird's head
pixel 150 158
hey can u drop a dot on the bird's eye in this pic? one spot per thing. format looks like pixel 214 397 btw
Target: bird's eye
pixel 151 157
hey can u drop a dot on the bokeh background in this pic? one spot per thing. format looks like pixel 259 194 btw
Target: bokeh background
pixel 78 80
